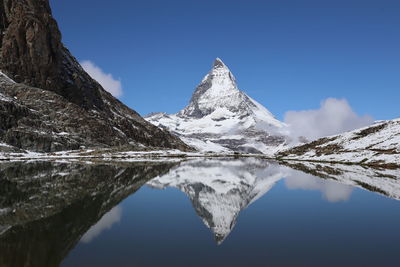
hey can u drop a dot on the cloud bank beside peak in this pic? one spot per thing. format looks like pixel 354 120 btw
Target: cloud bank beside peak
pixel 334 116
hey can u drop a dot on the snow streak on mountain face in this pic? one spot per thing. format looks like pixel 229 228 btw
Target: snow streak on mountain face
pixel 222 118
pixel 220 189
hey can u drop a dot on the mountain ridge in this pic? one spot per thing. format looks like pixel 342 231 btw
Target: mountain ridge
pixel 376 145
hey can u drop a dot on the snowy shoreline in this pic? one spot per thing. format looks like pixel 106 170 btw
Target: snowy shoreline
pixel 172 155
pixel 132 155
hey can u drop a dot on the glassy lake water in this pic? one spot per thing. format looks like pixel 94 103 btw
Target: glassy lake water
pixel 201 212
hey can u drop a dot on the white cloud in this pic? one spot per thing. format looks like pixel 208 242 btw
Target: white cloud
pixel 106 80
pixel 334 116
pixel 106 222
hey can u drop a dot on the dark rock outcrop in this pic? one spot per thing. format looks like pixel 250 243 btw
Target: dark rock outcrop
pixel 43 121
pixel 70 109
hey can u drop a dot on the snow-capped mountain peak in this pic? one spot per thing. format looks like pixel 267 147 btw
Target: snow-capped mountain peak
pixel 218 93
pixel 220 117
pixel 218 89
pixel 221 73
pixel 218 63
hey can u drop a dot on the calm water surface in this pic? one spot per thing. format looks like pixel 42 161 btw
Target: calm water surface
pixel 203 212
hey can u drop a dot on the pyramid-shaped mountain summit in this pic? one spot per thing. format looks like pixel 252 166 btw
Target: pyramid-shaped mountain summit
pixel 222 118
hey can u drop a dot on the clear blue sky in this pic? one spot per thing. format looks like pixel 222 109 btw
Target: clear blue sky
pixel 288 55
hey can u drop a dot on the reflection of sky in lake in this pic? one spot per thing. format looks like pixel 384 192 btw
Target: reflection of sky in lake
pixel 290 225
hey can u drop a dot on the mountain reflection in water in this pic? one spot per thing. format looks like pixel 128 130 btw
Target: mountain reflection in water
pixel 47 208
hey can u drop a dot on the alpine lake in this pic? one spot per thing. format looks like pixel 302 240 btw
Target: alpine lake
pixel 198 212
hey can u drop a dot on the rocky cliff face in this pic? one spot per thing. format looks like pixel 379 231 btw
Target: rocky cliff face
pixel 70 109
pixel 32 53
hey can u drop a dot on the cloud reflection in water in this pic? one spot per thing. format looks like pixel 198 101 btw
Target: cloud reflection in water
pixel 331 191
pixel 106 222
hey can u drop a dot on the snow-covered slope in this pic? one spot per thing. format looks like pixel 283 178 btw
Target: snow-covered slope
pixel 378 144
pixel 220 189
pixel 222 118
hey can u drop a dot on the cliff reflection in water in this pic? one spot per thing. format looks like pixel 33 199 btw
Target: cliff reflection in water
pixel 47 207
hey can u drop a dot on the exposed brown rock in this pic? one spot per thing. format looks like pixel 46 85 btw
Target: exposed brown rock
pixel 368 131
pixel 315 145
pixel 44 121
pixel 32 53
